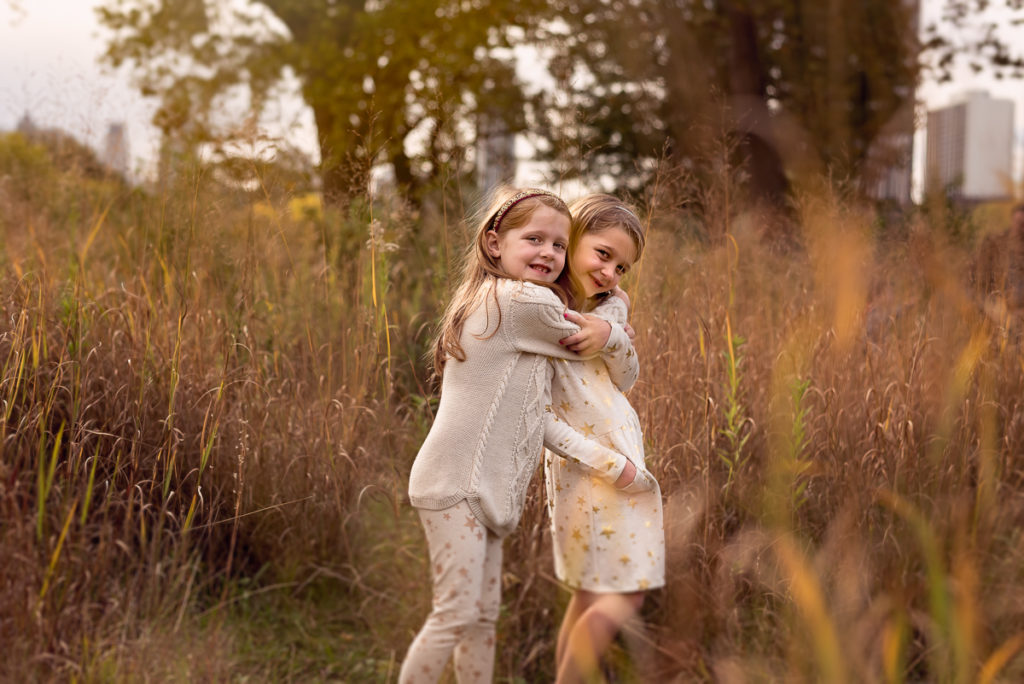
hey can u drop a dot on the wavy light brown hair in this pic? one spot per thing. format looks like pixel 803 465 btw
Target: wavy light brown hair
pixel 480 270
pixel 597 213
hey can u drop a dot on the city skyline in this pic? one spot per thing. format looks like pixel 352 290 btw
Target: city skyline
pixel 50 52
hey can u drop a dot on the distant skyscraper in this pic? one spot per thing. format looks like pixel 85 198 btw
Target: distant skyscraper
pixel 888 174
pixel 969 153
pixel 26 126
pixel 889 170
pixel 115 149
pixel 495 152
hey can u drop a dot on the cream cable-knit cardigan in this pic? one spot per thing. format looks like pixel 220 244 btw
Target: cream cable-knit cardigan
pixel 488 434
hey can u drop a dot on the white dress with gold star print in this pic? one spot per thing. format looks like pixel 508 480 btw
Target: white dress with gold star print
pixel 605 540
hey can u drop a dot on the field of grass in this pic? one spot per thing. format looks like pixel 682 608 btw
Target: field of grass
pixel 211 400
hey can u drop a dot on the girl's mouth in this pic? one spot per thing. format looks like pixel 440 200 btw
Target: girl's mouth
pixel 538 267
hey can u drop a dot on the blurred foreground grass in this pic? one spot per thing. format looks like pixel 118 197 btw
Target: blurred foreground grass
pixel 211 401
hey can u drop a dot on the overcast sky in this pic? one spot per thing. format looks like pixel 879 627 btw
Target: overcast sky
pixel 48 67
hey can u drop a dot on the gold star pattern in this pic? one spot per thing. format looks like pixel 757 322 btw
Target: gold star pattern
pixel 471 522
pixel 588 403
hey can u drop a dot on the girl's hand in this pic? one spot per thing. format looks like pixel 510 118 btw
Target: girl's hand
pixel 627 476
pixel 592 337
pixel 630 333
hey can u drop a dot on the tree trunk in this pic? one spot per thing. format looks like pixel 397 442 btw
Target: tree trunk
pixel 752 120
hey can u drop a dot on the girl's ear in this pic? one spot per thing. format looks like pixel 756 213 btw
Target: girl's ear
pixel 493 245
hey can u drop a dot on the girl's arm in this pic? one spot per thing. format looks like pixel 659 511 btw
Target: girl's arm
pixel 618 353
pixel 610 465
pixel 534 320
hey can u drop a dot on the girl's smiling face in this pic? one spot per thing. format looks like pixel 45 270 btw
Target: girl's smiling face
pixel 535 251
pixel 601 259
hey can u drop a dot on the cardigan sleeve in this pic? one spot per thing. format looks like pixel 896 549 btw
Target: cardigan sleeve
pixel 533 321
pixel 618 354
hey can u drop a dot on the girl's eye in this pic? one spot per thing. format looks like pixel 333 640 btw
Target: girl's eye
pixel 603 253
pixel 621 269
pixel 560 245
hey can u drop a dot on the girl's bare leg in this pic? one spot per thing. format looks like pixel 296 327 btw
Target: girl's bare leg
pixel 598 620
pixel 578 604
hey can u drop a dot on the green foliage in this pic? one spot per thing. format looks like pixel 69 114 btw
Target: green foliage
pixel 803 86
pixel 26 168
pixel 971 34
pixel 382 79
pixel 736 430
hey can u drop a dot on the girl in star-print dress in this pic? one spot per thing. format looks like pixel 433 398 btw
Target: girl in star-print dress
pixel 609 546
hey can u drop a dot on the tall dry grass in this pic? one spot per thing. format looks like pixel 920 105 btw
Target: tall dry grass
pixel 211 400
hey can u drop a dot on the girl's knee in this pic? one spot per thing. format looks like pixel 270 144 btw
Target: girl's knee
pixel 636 599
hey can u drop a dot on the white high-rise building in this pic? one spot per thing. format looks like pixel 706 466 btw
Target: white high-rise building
pixel 495 152
pixel 969 150
pixel 115 148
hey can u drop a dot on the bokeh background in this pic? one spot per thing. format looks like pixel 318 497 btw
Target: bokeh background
pixel 217 313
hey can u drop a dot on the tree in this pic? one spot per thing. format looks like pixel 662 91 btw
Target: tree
pixel 798 86
pixel 396 82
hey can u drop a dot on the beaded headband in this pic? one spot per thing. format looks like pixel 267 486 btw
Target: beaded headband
pixel 516 199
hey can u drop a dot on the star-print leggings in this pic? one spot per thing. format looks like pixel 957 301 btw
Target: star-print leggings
pixel 465 559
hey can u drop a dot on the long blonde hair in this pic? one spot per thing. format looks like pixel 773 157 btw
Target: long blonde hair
pixel 597 213
pixel 509 208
